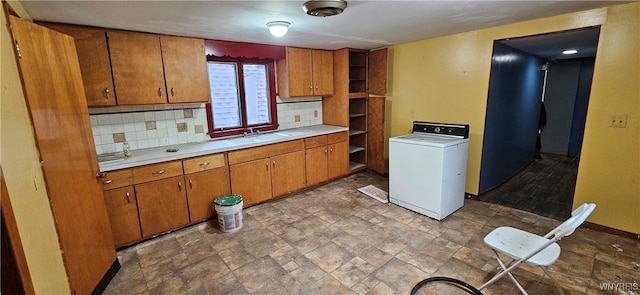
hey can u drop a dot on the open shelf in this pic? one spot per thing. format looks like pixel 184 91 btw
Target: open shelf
pixel 357 71
pixel 355 166
pixel 356 132
pixel 355 149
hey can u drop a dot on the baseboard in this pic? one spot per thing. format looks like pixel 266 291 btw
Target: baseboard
pixel 609 230
pixel 106 279
pixel 589 225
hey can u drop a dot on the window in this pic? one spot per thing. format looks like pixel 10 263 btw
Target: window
pixel 242 96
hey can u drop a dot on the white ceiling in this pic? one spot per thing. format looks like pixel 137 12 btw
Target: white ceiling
pixel 363 25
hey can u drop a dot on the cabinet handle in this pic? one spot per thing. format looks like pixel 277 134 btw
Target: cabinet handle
pixel 158 172
pixel 190 184
pixel 159 91
pixel 316 87
pixel 205 164
pixel 274 164
pixel 310 87
pixel 107 181
pixel 173 92
pixel 266 166
pixel 325 151
pixel 331 150
pixel 101 175
pixel 179 186
pixel 128 197
pixel 106 93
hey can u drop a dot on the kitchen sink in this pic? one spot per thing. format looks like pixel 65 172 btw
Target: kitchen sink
pixel 258 138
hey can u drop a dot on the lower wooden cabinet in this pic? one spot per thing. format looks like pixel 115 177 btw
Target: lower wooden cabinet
pixel 149 200
pixel 206 178
pixel 287 173
pixel 338 159
pixel 123 215
pixel 162 205
pixel 316 165
pixel 252 180
pixel 203 188
pixel 265 172
pixel 326 162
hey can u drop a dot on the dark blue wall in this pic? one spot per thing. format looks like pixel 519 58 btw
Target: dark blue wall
pixel 513 112
pixel 580 110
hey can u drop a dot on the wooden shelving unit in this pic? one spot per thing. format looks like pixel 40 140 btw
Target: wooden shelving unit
pixel 357 133
pixel 355 79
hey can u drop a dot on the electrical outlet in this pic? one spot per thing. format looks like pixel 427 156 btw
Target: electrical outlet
pixel 182 127
pixel 315 114
pixel 619 121
pixel 297 118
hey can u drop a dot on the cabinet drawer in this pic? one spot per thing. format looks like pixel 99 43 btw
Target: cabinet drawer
pixel 203 163
pixel 157 171
pixel 265 151
pixel 116 179
pixel 337 137
pixel 315 141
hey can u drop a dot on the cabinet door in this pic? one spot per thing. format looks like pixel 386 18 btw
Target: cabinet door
pixel 52 83
pixel 95 66
pixel 338 160
pixel 299 72
pixel 252 180
pixel 377 72
pixel 123 215
pixel 162 205
pixel 375 134
pixel 322 72
pixel 203 188
pixel 316 165
pixel 287 174
pixel 136 62
pixel 185 69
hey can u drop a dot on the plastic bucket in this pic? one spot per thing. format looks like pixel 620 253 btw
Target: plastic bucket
pixel 229 209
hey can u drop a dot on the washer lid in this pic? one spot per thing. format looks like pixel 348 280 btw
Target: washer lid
pixel 429 139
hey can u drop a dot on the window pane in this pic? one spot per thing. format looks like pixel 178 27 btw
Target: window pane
pixel 225 98
pixel 256 91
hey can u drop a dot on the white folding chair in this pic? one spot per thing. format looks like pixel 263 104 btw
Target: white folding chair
pixel 524 247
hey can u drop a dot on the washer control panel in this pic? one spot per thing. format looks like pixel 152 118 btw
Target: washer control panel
pixel 456 130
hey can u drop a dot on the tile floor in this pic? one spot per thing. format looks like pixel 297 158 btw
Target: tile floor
pixel 335 240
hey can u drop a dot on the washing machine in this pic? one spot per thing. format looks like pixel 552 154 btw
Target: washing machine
pixel 428 168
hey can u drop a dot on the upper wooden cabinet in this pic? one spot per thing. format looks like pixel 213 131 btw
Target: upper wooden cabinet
pixel 93 56
pixel 136 61
pixel 305 72
pixel 129 68
pixel 322 61
pixel 142 63
pixel 185 69
pixel 377 72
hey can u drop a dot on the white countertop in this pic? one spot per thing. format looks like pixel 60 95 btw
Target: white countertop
pixel 160 154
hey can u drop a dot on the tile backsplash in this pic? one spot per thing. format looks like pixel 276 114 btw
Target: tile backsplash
pixel 155 126
pixel 147 126
pixel 294 113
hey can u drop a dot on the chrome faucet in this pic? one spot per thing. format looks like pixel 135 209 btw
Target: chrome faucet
pixel 251 133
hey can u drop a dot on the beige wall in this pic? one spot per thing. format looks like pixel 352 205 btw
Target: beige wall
pixel 447 79
pixel 21 166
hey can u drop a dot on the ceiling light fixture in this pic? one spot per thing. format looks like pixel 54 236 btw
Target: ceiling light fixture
pixel 324 7
pixel 570 51
pixel 278 28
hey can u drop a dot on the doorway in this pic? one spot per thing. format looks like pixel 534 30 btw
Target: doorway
pixel 526 164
